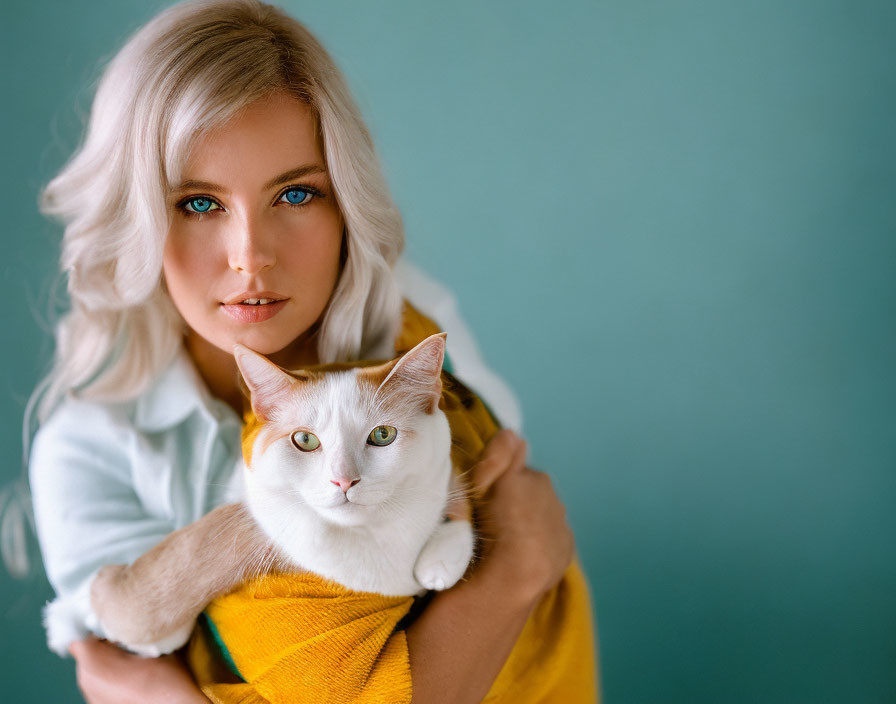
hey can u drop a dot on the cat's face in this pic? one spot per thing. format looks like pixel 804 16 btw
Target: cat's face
pixel 352 446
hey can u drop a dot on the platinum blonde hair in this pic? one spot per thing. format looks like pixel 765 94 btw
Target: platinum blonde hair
pixel 190 69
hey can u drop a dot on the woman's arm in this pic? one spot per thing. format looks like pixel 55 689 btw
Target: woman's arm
pixel 86 509
pixel 460 642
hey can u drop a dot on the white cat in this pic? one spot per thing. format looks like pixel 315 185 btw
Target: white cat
pixel 349 476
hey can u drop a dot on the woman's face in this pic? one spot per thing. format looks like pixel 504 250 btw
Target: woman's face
pixel 253 250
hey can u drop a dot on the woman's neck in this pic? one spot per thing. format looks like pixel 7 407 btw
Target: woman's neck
pixel 217 369
pixel 221 375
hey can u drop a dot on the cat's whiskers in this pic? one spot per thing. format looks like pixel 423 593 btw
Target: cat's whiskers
pixel 296 492
pixel 268 558
pixel 412 521
pixel 394 507
pixel 458 492
pixel 261 562
pixel 422 494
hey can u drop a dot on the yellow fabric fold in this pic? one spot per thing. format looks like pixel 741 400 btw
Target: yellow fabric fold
pixel 298 638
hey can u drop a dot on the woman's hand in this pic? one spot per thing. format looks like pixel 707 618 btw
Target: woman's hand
pixel 520 520
pixel 109 675
pixel 461 640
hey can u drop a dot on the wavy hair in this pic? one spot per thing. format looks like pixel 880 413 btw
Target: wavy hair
pixel 190 69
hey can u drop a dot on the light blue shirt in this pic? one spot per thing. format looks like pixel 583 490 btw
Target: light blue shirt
pixel 110 480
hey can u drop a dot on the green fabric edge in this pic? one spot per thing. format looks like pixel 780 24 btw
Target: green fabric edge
pixel 447 365
pixel 212 630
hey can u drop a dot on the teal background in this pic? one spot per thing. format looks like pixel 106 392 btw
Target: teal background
pixel 672 228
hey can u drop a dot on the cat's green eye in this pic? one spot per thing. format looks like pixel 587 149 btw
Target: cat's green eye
pixel 382 435
pixel 305 441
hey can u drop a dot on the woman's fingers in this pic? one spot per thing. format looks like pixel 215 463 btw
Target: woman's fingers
pixel 520 520
pixel 109 675
pixel 99 661
pixel 93 652
pixel 88 654
pixel 505 452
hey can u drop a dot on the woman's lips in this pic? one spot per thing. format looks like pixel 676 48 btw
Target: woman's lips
pixel 248 313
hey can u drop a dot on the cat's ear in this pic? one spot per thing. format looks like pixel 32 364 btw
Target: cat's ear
pixel 268 384
pixel 416 376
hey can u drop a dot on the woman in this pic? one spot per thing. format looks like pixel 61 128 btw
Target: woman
pixel 228 191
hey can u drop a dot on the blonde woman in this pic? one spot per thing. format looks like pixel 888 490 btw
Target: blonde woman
pixel 228 191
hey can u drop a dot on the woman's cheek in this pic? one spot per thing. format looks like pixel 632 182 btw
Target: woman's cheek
pixel 313 253
pixel 187 265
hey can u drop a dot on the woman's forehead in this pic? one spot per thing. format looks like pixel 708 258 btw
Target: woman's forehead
pixel 267 143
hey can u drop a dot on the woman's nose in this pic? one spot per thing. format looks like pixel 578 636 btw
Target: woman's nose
pixel 251 250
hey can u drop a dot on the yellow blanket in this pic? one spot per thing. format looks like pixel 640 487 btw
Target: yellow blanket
pixel 299 638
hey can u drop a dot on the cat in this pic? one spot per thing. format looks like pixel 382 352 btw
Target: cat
pixel 348 474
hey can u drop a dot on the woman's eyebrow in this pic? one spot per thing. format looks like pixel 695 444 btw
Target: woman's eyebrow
pixel 297 172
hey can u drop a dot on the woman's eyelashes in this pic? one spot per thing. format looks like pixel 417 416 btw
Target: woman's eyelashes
pixel 294 196
pixel 198 205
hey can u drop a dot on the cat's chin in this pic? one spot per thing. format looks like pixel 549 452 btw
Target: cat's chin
pixel 347 513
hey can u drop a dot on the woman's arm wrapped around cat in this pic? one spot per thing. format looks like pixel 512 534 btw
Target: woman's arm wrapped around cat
pixel 458 644
pixel 294 637
pixel 290 638
pixel 525 548
pixel 510 632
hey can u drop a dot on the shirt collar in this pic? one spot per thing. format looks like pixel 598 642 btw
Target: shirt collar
pixel 173 396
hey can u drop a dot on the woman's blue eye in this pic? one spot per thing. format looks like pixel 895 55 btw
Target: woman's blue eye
pixel 296 196
pixel 201 205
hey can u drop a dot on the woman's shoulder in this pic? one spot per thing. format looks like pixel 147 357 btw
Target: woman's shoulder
pixel 438 303
pixel 174 393
pixel 79 433
pixel 76 419
pixel 101 426
pixel 423 290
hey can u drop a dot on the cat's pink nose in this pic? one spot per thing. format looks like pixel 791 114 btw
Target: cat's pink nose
pixel 345 484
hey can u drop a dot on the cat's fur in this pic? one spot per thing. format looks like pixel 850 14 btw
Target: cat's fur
pixel 372 518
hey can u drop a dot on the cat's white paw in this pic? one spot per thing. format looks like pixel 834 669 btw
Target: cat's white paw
pixel 445 557
pixel 174 640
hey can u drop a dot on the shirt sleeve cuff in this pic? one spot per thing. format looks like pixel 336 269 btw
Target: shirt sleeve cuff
pixel 70 618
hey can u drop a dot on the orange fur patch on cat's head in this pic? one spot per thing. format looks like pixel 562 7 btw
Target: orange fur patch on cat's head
pixel 411 382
